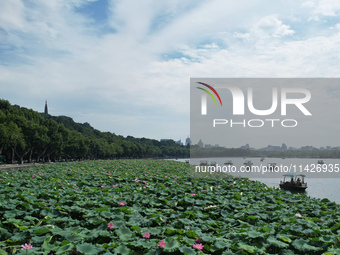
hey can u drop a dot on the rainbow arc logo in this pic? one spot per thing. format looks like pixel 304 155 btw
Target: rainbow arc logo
pixel 209 93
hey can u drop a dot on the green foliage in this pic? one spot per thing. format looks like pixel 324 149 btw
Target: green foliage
pixel 26 135
pixel 216 152
pixel 67 208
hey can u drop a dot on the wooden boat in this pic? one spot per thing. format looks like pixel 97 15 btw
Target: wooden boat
pixel 293 182
pixel 271 166
pixel 320 162
pixel 248 164
pixel 203 163
pixel 213 163
pixel 229 162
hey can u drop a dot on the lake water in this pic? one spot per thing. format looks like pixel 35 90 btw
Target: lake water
pixel 320 185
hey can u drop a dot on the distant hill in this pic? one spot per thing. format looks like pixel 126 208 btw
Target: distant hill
pixel 26 135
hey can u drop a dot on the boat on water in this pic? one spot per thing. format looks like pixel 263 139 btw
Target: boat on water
pixel 248 164
pixel 229 162
pixel 203 163
pixel 320 162
pixel 213 163
pixel 262 159
pixel 295 182
pixel 271 166
pixel 187 161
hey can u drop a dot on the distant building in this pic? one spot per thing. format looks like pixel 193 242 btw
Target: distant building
pixel 46 108
pixel 201 144
pixel 308 148
pixel 245 146
pixel 188 141
pixel 179 142
pixel 271 148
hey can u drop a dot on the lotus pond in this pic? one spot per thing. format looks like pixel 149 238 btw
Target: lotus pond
pixel 156 207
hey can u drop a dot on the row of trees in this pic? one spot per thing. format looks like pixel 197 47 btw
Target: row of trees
pixel 198 152
pixel 26 135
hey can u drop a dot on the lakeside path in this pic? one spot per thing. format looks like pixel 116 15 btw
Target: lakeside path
pixel 16 166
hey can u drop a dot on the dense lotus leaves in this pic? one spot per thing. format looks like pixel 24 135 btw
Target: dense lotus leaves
pixel 135 206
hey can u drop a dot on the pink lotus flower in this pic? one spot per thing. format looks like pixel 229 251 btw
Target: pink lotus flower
pixel 121 203
pixel 110 226
pixel 114 186
pixel 298 215
pixel 198 246
pixel 59 181
pixel 102 186
pixel 161 244
pixel 193 194
pixel 75 251
pixel 144 187
pixel 146 235
pixel 27 247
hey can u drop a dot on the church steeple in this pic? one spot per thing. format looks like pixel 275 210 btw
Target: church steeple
pixel 46 108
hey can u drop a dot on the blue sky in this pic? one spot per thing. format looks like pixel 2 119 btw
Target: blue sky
pixel 125 66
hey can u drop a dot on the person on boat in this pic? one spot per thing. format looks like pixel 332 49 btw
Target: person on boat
pixel 299 181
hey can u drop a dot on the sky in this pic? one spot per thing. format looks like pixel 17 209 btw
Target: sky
pixel 125 66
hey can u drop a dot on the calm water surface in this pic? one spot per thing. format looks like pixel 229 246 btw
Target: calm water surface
pixel 317 187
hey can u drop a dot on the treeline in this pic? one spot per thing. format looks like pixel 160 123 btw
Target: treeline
pixel 26 135
pixel 217 152
pixel 198 152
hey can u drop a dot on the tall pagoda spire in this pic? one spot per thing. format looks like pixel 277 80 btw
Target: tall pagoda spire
pixel 46 108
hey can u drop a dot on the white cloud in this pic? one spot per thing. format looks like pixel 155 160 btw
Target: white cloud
pixel 322 8
pixel 54 52
pixel 12 16
pixel 274 26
